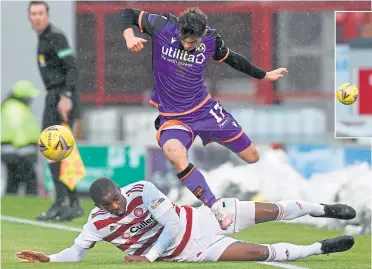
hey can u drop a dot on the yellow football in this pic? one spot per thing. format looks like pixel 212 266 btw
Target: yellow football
pixel 56 142
pixel 347 93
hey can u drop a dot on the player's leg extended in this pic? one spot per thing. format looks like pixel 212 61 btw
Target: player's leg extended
pixel 240 251
pixel 250 213
pixel 175 143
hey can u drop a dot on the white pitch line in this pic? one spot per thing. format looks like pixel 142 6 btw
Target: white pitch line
pixel 73 229
pixel 40 223
pixel 283 265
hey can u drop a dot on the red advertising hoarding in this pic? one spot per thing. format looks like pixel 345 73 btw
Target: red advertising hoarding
pixel 365 92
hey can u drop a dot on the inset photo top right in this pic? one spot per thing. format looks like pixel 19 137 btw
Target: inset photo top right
pixel 353 81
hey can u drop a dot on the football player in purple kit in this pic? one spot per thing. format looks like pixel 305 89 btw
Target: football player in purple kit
pixel 181 47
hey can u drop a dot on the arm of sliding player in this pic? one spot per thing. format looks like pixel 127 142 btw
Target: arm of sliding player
pixel 83 243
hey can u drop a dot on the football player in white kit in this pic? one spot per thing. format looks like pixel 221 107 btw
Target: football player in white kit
pixel 141 221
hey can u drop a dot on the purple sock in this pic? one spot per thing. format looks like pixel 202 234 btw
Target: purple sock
pixel 195 182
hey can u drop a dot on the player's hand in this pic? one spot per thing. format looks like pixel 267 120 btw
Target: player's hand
pixel 64 107
pixel 30 256
pixel 130 258
pixel 135 44
pixel 275 74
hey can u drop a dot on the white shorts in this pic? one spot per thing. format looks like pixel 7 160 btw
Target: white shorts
pixel 208 241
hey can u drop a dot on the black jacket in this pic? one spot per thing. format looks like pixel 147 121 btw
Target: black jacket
pixel 56 62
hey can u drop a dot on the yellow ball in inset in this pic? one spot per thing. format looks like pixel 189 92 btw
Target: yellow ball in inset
pixel 347 93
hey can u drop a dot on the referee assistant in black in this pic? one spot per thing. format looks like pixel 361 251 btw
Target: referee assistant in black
pixel 58 70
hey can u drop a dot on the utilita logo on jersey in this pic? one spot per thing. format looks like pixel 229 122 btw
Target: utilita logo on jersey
pixel 181 57
pixel 142 225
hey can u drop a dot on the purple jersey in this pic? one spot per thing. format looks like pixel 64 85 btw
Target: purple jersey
pixel 185 107
pixel 179 75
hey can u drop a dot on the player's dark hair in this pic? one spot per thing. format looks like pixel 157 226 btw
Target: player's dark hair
pixel 100 188
pixel 38 3
pixel 192 22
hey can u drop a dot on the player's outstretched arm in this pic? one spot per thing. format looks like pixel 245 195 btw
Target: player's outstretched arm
pixel 242 64
pixel 148 23
pixel 72 254
pixel 83 243
pixel 275 74
pixel 31 256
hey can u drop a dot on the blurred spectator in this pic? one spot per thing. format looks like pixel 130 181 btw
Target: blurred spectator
pixel 57 67
pixel 19 136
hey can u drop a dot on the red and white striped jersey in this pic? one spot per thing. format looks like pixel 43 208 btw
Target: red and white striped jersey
pixel 137 231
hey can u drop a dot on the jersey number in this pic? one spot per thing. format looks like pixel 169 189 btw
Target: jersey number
pixel 214 114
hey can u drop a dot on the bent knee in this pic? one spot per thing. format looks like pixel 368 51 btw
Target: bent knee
pixel 175 152
pixel 173 147
pixel 253 157
pixel 250 155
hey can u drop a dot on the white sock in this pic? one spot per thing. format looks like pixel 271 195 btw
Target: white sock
pixel 290 252
pixel 292 209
